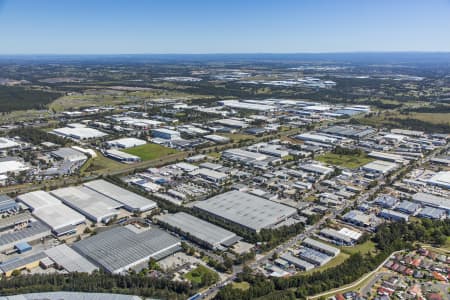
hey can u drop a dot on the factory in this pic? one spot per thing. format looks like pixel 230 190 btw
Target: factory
pixel 243 156
pixel 33 231
pixel 125 143
pixel 408 207
pixel 123 157
pixel 121 248
pixel 321 247
pixel 394 158
pixel 210 175
pixel 217 138
pixel 432 200
pixel 337 237
pixel 79 133
pixel 64 257
pixel 380 167
pixel 235 104
pixel 8 205
pixel 297 262
pixel 60 218
pixel 393 215
pixel 314 257
pixel 201 232
pixel 166 134
pixel 69 154
pixel 316 168
pixel 95 206
pixel 317 138
pixel 251 212
pixel 131 201
pixel 12 165
pixel 232 123
pixel 440 179
pixel 6 144
pixel 432 213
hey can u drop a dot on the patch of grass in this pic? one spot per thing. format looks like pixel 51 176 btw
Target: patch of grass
pixel 346 161
pixel 366 247
pixel 241 285
pixel 99 165
pixel 150 151
pixel 333 263
pixel 202 276
pixel 237 137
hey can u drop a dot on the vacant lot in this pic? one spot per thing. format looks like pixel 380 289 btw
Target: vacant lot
pixel 150 151
pixel 346 161
pixel 202 276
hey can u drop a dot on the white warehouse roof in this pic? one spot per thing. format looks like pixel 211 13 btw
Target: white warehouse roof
pixel 7 143
pixel 131 201
pixel 126 142
pixel 50 210
pixel 93 205
pixel 79 133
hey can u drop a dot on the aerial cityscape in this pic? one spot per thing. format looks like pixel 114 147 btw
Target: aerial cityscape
pixel 168 170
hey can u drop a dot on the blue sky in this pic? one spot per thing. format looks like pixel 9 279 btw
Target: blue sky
pixel 228 26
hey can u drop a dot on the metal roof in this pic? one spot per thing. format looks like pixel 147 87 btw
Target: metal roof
pixel 321 246
pixel 247 210
pixel 118 249
pixel 19 263
pixel 35 230
pixel 130 200
pixel 199 229
pixel 69 259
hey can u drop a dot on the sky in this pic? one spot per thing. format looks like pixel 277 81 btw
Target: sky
pixel 226 26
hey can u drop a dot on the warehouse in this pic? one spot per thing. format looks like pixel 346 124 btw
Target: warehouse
pixel 315 257
pixel 131 201
pixel 122 156
pixel 199 231
pixel 394 215
pixel 243 156
pixel 316 138
pixel 7 204
pixel 408 207
pixel 7 144
pixel 297 262
pixel 52 212
pixel 217 138
pixel 432 200
pixel 126 143
pixel 79 133
pixel 70 260
pixel 249 211
pixel 166 134
pixel 441 179
pixel 94 206
pixel 34 231
pixel 247 105
pixel 316 168
pixel 321 247
pixel 394 158
pixel 386 201
pixel 339 238
pixel 12 165
pixel 210 175
pixel 432 213
pixel 25 263
pixel 14 220
pixel 68 154
pixel 380 167
pixel 121 248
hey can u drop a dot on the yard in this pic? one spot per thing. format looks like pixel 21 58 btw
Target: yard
pixel 150 151
pixel 346 161
pixel 202 276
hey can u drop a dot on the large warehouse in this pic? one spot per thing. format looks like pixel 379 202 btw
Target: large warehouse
pixel 60 218
pixel 65 257
pixel 121 248
pixel 93 205
pixel 131 201
pixel 79 133
pixel 252 212
pixel 199 231
pixel 33 232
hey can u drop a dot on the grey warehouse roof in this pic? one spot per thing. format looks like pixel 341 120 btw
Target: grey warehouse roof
pixel 246 210
pixel 130 200
pixel 35 230
pixel 120 248
pixel 69 259
pixel 199 229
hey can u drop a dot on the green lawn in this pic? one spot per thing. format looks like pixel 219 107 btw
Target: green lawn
pixel 366 247
pixel 202 276
pixel 150 151
pixel 333 263
pixel 241 285
pixel 99 165
pixel 346 161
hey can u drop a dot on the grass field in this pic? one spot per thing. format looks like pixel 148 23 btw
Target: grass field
pixel 237 137
pixel 150 151
pixel 346 161
pixel 241 285
pixel 366 247
pixel 197 275
pixel 99 165
pixel 333 263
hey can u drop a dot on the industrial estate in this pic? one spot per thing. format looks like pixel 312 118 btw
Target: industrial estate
pixel 230 181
